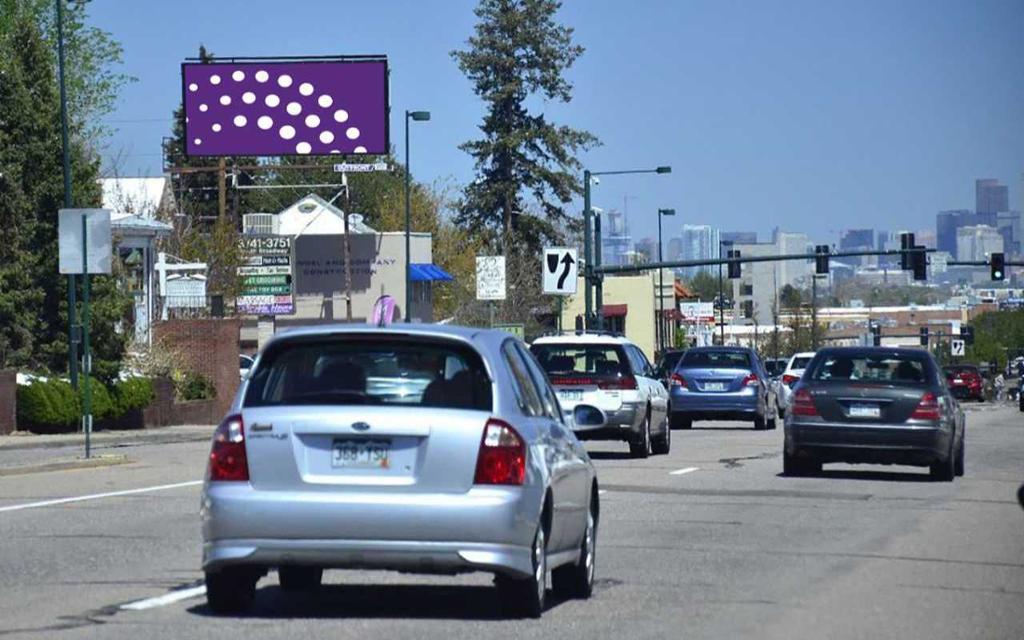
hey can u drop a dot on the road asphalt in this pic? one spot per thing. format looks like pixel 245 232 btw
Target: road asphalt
pixel 710 541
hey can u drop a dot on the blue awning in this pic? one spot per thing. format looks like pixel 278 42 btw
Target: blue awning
pixel 428 273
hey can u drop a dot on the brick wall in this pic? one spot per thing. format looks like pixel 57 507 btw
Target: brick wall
pixel 8 396
pixel 208 346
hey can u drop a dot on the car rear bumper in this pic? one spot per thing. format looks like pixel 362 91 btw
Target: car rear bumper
pixel 916 445
pixel 485 528
pixel 397 555
pixel 621 424
pixel 716 406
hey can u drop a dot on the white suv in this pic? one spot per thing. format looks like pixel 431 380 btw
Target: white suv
pixel 794 370
pixel 611 373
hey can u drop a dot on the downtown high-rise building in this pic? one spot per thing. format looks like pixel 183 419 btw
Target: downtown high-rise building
pixel 739 237
pixel 978 242
pixel 699 242
pixel 990 196
pixel 948 222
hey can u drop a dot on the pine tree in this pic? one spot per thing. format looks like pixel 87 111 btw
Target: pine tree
pixel 519 51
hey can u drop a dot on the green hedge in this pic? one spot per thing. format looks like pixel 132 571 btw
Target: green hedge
pixel 53 404
pixel 131 394
pixel 194 386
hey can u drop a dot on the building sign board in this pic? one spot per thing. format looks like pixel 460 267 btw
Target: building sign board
pixel 490 277
pixel 266 276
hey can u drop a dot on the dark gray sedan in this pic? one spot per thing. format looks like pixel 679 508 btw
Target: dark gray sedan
pixel 874 405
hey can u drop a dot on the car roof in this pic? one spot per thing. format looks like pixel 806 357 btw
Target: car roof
pixel 584 338
pixel 720 348
pixel 464 334
pixel 804 354
pixel 896 351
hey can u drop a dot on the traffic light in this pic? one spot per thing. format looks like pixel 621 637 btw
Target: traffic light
pixel 821 259
pixel 906 243
pixel 924 336
pixel 876 333
pixel 734 266
pixel 919 263
pixel 998 262
pixel 967 333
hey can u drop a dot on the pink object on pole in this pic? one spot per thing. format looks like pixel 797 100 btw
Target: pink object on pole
pixel 384 311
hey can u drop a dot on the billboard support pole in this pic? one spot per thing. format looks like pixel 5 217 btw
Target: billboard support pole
pixel 86 356
pixel 348 249
pixel 222 196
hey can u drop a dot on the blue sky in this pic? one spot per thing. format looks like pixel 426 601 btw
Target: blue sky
pixel 810 115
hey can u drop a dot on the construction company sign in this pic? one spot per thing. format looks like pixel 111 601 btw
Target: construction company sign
pixel 265 272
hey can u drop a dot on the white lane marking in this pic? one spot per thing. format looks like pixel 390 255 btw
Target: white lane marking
pixel 166 599
pixel 97 496
pixel 679 472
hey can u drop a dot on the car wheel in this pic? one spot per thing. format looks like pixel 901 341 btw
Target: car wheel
pixel 300 578
pixel 577 580
pixel 525 596
pixel 679 421
pixel 944 470
pixel 770 424
pixel 958 465
pixel 231 590
pixel 759 423
pixel 663 443
pixel 640 446
pixel 794 466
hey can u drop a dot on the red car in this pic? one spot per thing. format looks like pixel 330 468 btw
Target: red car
pixel 964 382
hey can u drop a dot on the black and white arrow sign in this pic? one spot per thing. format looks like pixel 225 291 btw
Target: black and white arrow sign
pixel 559 270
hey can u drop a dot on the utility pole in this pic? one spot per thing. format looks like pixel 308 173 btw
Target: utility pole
pixel 348 251
pixel 222 194
pixel 588 263
pixel 814 312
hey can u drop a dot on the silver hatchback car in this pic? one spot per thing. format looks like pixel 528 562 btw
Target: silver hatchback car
pixel 418 448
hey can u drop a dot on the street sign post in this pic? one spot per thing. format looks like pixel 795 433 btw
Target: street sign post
pixel 956 347
pixel 559 271
pixel 490 277
pixel 83 247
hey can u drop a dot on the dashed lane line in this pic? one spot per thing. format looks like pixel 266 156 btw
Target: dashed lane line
pixel 97 496
pixel 679 472
pixel 166 599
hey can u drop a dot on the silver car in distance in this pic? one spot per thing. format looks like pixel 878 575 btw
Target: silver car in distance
pixel 417 448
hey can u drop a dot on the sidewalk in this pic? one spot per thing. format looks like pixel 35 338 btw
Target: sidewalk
pixel 24 452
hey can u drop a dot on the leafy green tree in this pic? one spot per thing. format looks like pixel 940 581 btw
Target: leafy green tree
pixel 519 51
pixel 33 307
pixel 997 334
pixel 705 286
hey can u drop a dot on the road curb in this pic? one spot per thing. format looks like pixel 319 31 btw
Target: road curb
pixel 65 465
pixel 98 440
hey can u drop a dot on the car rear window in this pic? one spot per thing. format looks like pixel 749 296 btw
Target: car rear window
pixel 716 359
pixel 589 359
pixel 800 363
pixel 885 368
pixel 375 371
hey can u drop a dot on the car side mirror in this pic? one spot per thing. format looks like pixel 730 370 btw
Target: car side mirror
pixel 585 415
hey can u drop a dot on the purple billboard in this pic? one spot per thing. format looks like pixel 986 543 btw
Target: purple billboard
pixel 283 108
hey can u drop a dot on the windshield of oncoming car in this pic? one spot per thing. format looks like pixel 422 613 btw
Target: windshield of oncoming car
pixel 380 371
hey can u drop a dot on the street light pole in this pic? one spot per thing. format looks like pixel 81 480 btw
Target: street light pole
pixel 590 275
pixel 66 153
pixel 419 116
pixel 661 283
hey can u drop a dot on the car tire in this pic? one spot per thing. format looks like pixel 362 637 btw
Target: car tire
pixel 524 597
pixel 958 464
pixel 678 421
pixel 770 425
pixel 759 423
pixel 663 443
pixel 231 590
pixel 944 470
pixel 640 446
pixel 300 578
pixel 577 580
pixel 795 467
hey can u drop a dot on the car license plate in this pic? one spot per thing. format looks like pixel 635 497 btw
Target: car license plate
pixel 714 386
pixel 864 411
pixel 570 395
pixel 361 454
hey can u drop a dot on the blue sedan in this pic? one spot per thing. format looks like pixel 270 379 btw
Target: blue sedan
pixel 721 383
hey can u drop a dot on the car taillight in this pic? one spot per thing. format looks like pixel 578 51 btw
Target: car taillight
pixel 624 383
pixel 750 381
pixel 789 379
pixel 227 456
pixel 927 408
pixel 803 404
pixel 502 457
pixel 677 380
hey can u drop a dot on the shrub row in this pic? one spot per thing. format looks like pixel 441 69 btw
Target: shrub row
pixel 53 405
